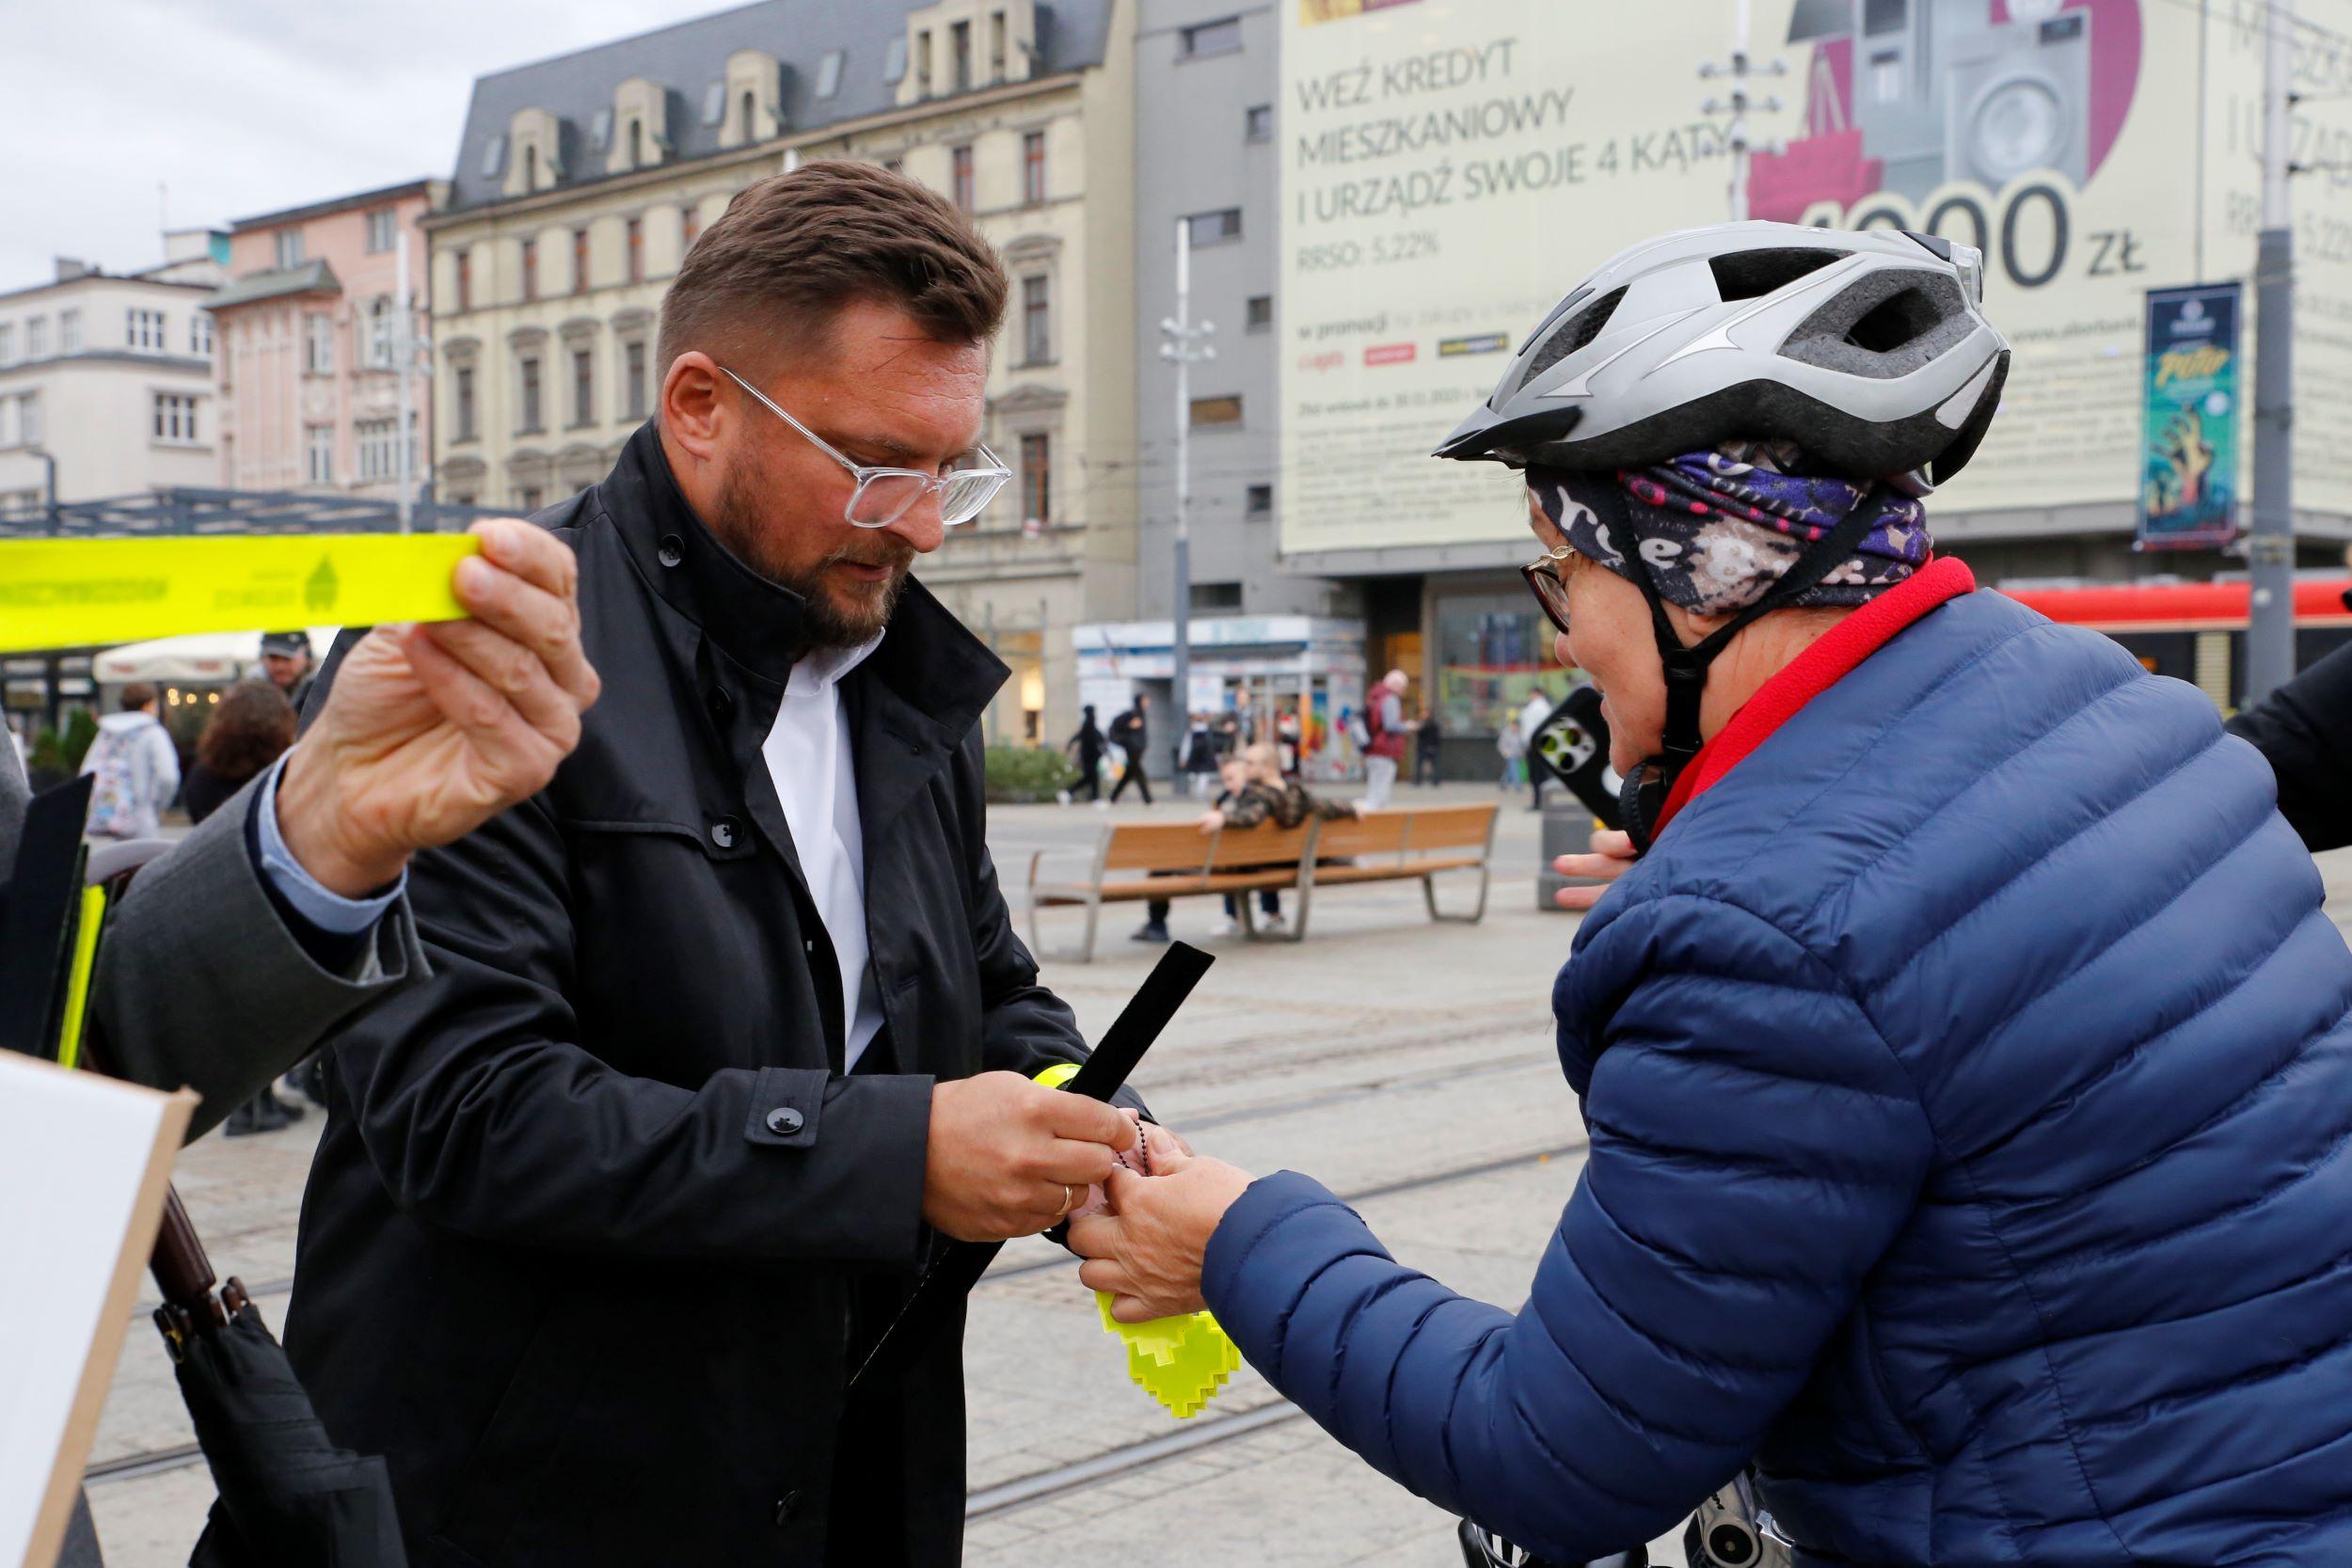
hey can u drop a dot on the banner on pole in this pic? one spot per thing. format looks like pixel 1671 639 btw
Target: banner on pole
pixel 2188 488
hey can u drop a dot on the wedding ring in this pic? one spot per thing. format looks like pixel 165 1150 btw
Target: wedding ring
pixel 1069 1200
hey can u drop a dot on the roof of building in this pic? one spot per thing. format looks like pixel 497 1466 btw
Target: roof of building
pixel 421 186
pixel 689 57
pixel 97 276
pixel 311 278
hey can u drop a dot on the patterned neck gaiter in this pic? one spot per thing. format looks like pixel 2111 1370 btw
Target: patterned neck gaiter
pixel 1718 529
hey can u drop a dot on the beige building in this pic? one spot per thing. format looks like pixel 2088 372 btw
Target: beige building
pixel 582 180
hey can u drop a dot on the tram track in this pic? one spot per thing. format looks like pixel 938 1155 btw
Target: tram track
pixel 1092 1470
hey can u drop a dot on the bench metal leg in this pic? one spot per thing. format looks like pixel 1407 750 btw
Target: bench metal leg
pixel 1478 912
pixel 1083 953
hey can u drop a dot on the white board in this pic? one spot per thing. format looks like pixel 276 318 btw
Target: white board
pixel 84 1164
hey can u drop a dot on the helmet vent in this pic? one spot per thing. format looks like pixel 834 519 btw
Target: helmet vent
pixel 1894 322
pixel 1752 274
pixel 1573 334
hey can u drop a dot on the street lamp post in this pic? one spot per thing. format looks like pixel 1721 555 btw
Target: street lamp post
pixel 1736 105
pixel 1184 344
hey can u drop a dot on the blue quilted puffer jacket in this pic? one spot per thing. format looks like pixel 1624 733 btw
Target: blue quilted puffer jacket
pixel 1969 1080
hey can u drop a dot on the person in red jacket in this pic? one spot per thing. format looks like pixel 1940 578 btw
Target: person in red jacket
pixel 1384 719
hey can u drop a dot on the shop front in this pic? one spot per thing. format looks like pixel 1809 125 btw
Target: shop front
pixel 1286 679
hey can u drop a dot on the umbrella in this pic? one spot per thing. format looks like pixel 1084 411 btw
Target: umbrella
pixel 289 1496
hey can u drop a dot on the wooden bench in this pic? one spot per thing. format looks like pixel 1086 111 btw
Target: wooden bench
pixel 1138 862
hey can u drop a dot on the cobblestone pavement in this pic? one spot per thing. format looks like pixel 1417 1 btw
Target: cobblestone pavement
pixel 1408 1066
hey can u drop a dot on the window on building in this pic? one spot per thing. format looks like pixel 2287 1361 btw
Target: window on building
pixel 636 143
pixel 201 334
pixel 530 166
pixel 895 60
pixel 1033 167
pixel 634 378
pixel 583 387
pixel 30 428
pixel 175 419
pixel 378 441
pixel 464 390
pixel 1260 313
pixel 1886 76
pixel 529 375
pixel 493 157
pixel 600 130
pixel 382 229
pixel 923 62
pixel 9 437
pixel 69 332
pixel 962 190
pixel 143 330
pixel 7 343
pixel 1037 478
pixel 1257 122
pixel 1214 596
pixel 465 280
pixel 689 226
pixel 318 343
pixel 1222 37
pixel 580 260
pixel 37 336
pixel 289 244
pixel 636 243
pixel 530 270
pixel 1215 413
pixel 997 41
pixel 530 497
pixel 1216 228
pixel 318 447
pixel 714 104
pixel 380 333
pixel 829 73
pixel 959 56
pixel 1258 501
pixel 1037 320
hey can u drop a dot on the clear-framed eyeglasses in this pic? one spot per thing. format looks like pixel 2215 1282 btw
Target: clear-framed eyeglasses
pixel 1550 584
pixel 885 495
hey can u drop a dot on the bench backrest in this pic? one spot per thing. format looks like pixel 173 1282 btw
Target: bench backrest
pixel 1452 828
pixel 1158 848
pixel 1265 845
pixel 1380 833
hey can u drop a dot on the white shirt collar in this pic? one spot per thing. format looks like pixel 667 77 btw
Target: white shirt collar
pixel 830 667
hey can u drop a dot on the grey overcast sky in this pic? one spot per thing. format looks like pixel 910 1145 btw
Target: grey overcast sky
pixel 238 108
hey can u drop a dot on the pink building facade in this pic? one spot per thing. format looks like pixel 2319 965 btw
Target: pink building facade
pixel 307 360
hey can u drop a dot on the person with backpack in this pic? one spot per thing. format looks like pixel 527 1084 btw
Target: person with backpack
pixel 1384 737
pixel 137 769
pixel 1131 732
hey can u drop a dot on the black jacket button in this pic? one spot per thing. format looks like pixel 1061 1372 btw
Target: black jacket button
pixel 787 1505
pixel 783 1121
pixel 722 703
pixel 723 831
pixel 672 549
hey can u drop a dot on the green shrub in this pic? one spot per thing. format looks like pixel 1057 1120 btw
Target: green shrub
pixel 44 760
pixel 1020 775
pixel 80 730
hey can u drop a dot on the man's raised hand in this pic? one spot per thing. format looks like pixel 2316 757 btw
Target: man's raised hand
pixel 1007 1157
pixel 431 730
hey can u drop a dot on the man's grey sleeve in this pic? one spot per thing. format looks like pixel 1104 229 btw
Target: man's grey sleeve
pixel 201 984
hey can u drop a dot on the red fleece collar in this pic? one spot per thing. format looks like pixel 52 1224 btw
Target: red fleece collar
pixel 1815 671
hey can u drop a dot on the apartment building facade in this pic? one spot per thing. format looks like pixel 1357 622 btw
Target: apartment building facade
pixel 582 180
pixel 110 377
pixel 308 360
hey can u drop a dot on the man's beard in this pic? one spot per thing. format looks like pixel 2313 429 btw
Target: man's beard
pixel 828 619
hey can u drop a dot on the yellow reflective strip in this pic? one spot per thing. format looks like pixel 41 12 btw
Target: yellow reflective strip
pixel 77 978
pixel 82 592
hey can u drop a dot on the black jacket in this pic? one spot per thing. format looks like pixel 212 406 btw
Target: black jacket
pixel 2304 731
pixel 596 1217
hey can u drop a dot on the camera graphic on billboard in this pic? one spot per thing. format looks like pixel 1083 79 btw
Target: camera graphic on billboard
pixel 1904 98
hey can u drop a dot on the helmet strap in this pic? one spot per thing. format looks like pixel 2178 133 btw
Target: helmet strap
pixel 1643 799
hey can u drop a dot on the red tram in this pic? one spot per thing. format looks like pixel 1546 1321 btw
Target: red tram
pixel 2197 630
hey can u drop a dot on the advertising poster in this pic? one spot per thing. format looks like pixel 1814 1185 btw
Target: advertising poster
pixel 1450 168
pixel 2188 489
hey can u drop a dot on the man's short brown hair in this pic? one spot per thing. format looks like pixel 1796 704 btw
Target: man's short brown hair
pixel 795 249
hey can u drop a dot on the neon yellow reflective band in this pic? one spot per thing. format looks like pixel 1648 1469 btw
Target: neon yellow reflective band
pixel 80 592
pixel 1181 1361
pixel 77 978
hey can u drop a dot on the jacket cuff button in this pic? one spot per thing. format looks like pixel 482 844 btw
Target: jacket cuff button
pixel 783 1121
pixel 671 551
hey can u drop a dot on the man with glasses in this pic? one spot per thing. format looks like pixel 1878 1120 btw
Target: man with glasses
pixel 727 1028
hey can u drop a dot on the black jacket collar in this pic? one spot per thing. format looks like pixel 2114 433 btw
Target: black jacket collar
pixel 931 673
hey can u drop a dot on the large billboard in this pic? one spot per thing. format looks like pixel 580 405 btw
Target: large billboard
pixel 1452 168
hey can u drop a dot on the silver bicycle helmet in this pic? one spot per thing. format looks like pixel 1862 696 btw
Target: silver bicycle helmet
pixel 1869 349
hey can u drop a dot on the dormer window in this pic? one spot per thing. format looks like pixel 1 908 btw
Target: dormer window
pixel 750 112
pixel 714 104
pixel 640 115
pixel 531 168
pixel 636 142
pixel 538 163
pixel 828 74
pixel 894 61
pixel 493 157
pixel 600 130
pixel 754 98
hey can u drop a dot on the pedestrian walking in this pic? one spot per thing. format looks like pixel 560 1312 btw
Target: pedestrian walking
pixel 1085 752
pixel 1428 741
pixel 137 768
pixel 1131 732
pixel 728 1027
pixel 1201 758
pixel 1385 737
pixel 1513 747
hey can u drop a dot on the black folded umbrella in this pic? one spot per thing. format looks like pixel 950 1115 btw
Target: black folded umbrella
pixel 289 1496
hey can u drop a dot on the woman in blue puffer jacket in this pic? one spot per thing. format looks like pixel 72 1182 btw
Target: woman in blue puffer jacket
pixel 1967 1060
